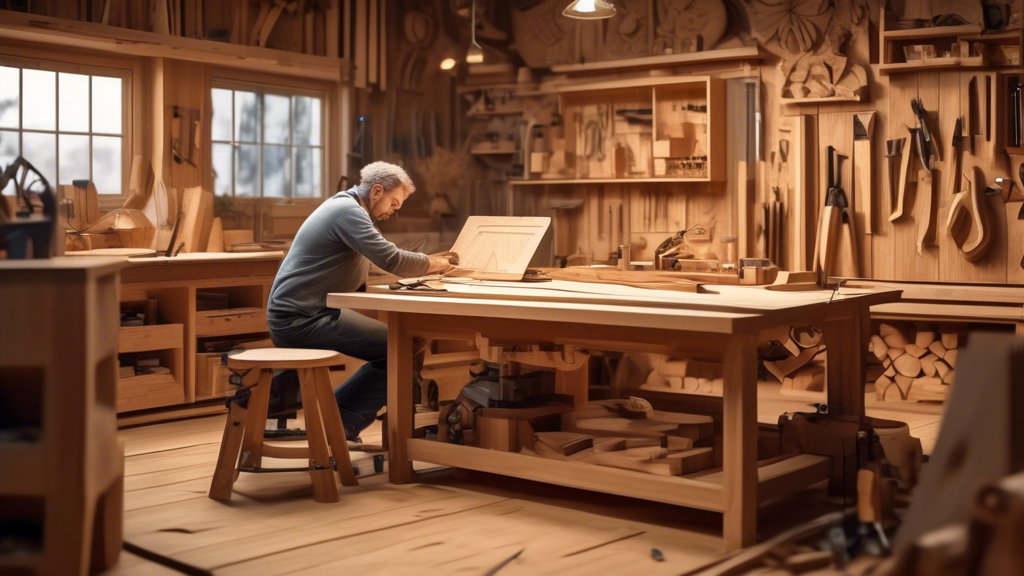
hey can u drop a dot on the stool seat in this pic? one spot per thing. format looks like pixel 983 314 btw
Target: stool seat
pixel 285 358
pixel 242 448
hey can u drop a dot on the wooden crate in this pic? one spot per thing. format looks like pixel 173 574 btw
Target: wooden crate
pixel 230 321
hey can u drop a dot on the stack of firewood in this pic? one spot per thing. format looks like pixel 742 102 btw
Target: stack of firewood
pixel 912 364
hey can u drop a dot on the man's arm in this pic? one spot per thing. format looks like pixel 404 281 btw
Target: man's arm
pixel 357 230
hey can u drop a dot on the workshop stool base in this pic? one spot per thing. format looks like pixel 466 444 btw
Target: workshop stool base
pixel 243 448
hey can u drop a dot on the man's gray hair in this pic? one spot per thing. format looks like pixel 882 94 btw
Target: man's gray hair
pixel 386 174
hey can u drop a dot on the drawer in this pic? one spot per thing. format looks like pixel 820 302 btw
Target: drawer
pixel 148 391
pixel 147 338
pixel 212 377
pixel 230 321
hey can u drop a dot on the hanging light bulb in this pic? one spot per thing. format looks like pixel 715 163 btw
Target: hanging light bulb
pixel 475 54
pixel 447 63
pixel 589 9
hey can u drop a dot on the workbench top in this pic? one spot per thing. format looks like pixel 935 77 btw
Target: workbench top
pixel 717 308
pixel 185 258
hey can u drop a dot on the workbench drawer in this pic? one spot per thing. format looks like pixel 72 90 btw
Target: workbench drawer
pixel 148 391
pixel 148 338
pixel 212 377
pixel 230 321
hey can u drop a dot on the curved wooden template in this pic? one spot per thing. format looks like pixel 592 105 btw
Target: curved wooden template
pixel 968 223
pixel 901 199
pixel 926 197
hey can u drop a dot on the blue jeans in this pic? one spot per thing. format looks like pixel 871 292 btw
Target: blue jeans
pixel 353 334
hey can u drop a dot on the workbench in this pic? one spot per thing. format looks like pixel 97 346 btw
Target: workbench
pixel 725 323
pixel 173 281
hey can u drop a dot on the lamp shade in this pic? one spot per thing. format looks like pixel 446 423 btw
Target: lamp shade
pixel 475 54
pixel 589 9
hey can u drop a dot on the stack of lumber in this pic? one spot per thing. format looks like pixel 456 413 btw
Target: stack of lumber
pixel 629 434
pixel 908 363
pixel 801 371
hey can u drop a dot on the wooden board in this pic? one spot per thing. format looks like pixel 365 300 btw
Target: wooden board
pixel 197 220
pixel 498 247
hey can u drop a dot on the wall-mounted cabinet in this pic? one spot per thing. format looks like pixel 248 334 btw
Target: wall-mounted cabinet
pixel 656 129
pixel 946 47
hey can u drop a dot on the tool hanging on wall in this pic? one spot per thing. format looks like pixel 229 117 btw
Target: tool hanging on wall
pixel 956 156
pixel 925 195
pixel 923 137
pixel 903 176
pixel 968 221
pixel 863 127
pixel 829 223
pixel 893 161
pixel 972 112
pixel 847 259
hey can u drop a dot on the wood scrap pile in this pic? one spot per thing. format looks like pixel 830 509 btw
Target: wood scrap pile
pixel 908 363
pixel 685 376
pixel 795 360
pixel 630 434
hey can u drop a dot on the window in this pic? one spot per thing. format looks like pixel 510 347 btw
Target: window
pixel 69 124
pixel 267 143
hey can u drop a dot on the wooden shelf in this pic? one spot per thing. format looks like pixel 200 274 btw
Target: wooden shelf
pixel 776 478
pixel 489 114
pixel 932 32
pixel 933 64
pixel 664 61
pixel 826 100
pixel 492 152
pixel 607 181
pixel 86 35
pixel 149 338
pixel 644 82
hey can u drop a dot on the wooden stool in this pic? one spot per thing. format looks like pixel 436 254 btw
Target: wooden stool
pixel 244 428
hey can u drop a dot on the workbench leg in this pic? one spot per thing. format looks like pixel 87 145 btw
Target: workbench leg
pixel 739 442
pixel 400 409
pixel 846 342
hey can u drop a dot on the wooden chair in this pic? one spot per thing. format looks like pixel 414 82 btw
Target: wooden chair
pixel 327 447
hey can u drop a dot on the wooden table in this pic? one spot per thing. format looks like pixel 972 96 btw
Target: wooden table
pixel 725 324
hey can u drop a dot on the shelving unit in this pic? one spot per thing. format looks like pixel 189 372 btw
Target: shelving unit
pixel 234 287
pixel 664 61
pixel 967 45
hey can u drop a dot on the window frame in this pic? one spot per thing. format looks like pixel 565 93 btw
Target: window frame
pixel 226 83
pixel 117 68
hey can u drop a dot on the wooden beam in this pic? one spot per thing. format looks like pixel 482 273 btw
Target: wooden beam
pixel 86 35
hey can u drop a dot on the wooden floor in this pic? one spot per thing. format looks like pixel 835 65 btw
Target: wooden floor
pixel 451 522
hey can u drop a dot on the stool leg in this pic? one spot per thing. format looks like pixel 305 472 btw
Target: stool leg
pixel 224 473
pixel 259 402
pixel 325 487
pixel 332 423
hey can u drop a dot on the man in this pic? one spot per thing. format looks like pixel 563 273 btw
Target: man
pixel 331 253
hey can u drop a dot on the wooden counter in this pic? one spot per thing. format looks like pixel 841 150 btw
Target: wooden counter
pixel 724 324
pixel 173 282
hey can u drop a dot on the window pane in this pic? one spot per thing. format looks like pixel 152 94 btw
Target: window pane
pixel 247 123
pixel 73 103
pixel 8 153
pixel 41 151
pixel 221 128
pixel 40 90
pixel 307 172
pixel 307 120
pixel 277 172
pixel 106 105
pixel 275 118
pixel 106 164
pixel 74 158
pixel 247 170
pixel 9 79
pixel 222 168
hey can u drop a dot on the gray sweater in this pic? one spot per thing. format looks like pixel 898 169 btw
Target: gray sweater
pixel 331 253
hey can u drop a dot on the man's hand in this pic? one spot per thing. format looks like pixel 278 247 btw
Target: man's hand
pixel 439 263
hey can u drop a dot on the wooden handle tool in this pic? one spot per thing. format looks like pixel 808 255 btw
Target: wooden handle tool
pixel 925 205
pixel 968 222
pixel 863 127
pixel 904 176
pixel 825 246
